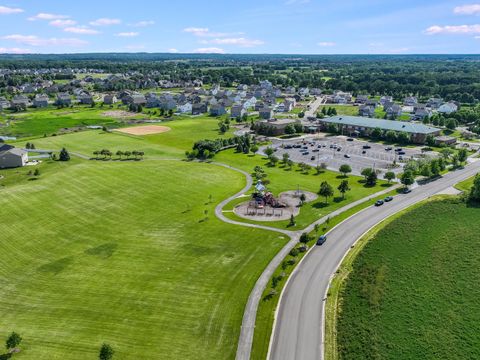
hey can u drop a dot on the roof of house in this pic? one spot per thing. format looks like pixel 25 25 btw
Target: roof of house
pixel 409 127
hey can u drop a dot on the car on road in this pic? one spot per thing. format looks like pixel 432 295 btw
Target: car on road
pixel 364 152
pixel 347 156
pixel 321 240
pixel 406 191
pixel 379 203
pixel 366 147
pixel 388 149
pixel 388 198
pixel 339 149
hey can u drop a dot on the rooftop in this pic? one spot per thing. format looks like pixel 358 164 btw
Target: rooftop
pixel 409 127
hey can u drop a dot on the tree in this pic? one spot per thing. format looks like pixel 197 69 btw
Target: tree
pixel 36 172
pixel 269 151
pixel 64 155
pixel 254 149
pixel 290 129
pixel 343 188
pixel 475 191
pixel 273 160
pixel 407 178
pixel 451 124
pixel 425 170
pixel 462 155
pixel 119 154
pixel 366 172
pixel 372 179
pixel 326 190
pixel 389 176
pixel 303 198
pixel 106 352
pixel 434 167
pixel 376 133
pixel 290 164
pixel 13 340
pixel 304 238
pixel 345 169
pixel 292 221
pixel 391 136
pixel 446 153
pixel 285 158
pixel 430 140
pixel 403 138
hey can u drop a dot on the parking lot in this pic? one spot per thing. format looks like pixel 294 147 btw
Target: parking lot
pixel 339 150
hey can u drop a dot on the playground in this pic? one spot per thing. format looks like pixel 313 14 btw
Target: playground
pixel 263 206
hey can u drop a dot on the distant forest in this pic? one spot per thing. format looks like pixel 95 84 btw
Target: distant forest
pixel 452 77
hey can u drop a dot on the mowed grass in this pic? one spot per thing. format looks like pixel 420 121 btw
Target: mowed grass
pixel 123 253
pixel 184 132
pixel 283 179
pixel 413 292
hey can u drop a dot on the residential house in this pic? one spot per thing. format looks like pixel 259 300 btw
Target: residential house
pixel 393 111
pixel 265 113
pixel 410 101
pixel 448 108
pixel 185 108
pixel 63 99
pixel 434 103
pixel 109 99
pixel 85 99
pixel 19 102
pixel 289 104
pixel 11 157
pixel 361 99
pixel 199 108
pixel 135 99
pixel 217 110
pixel 366 110
pixel 40 101
pixel 386 99
pixel 237 111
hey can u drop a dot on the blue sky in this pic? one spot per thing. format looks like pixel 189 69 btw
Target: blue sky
pixel 242 26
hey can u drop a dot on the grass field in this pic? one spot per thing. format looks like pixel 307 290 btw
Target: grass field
pixel 122 253
pixel 284 180
pixel 412 292
pixel 341 109
pixel 465 185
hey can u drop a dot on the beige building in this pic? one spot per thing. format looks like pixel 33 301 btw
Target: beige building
pixel 11 157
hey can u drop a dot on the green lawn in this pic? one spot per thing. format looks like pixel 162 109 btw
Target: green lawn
pixel 465 185
pixel 341 109
pixel 119 252
pixel 413 292
pixel 284 180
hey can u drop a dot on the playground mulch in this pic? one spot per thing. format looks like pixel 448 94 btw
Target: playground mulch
pixel 144 130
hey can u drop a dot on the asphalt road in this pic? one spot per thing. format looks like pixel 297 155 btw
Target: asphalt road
pixel 298 329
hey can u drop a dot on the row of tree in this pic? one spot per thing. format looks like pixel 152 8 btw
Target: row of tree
pixel 119 153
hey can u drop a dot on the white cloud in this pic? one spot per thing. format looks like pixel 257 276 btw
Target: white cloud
pixel 14 51
pixel 34 40
pixel 62 23
pixel 4 10
pixel 173 51
pixel 205 32
pixel 105 22
pixel 472 9
pixel 47 16
pixel 209 50
pixel 453 29
pixel 128 34
pixel 82 30
pixel 143 23
pixel 326 43
pixel 243 42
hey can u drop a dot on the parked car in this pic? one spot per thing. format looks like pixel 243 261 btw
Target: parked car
pixel 388 198
pixel 388 149
pixel 364 152
pixel 349 139
pixel 321 240
pixel 407 191
pixel 401 153
pixel 366 147
pixel 347 156
pixel 379 203
pixel 312 158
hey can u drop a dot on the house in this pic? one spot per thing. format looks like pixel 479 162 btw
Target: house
pixel 361 99
pixel 85 99
pixel 445 140
pixel 152 100
pixel 265 84
pixel 315 91
pixel 265 113
pixel 371 102
pixel 385 99
pixel 217 110
pixel 290 90
pixel 410 101
pixel 434 103
pixel 199 108
pixel 185 108
pixel 448 108
pixel 40 101
pixel 237 111
pixel 109 99
pixel 366 110
pixel 421 112
pixel 289 104
pixel 19 101
pixel 135 99
pixel 11 157
pixel 64 99
pixel 394 111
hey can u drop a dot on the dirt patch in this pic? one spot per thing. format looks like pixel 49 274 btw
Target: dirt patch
pixel 119 114
pixel 144 130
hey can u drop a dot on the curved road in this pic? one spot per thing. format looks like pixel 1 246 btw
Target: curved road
pixel 299 324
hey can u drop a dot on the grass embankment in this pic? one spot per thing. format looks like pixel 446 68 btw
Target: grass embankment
pixel 409 293
pixel 282 179
pixel 122 252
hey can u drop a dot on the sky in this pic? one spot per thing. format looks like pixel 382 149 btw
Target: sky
pixel 242 26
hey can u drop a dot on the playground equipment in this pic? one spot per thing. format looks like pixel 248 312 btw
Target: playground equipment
pixel 264 203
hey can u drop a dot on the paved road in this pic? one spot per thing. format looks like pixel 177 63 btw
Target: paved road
pixel 320 100
pixel 298 330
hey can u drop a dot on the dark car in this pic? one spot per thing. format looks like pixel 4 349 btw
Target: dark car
pixel 388 198
pixel 407 191
pixel 306 153
pixel 347 156
pixel 364 152
pixel 339 149
pixel 312 158
pixel 366 147
pixel 388 149
pixel 398 149
pixel 349 139
pixel 288 146
pixel 379 203
pixel 401 153
pixel 321 240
